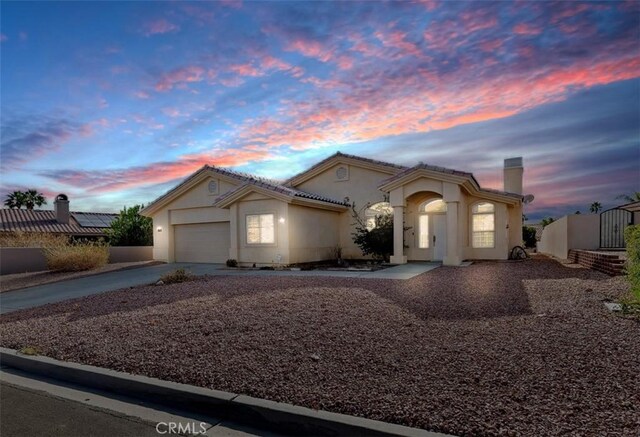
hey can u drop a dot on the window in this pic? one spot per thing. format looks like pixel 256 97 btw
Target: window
pixel 483 225
pixel 437 205
pixel 376 210
pixel 260 229
pixel 423 232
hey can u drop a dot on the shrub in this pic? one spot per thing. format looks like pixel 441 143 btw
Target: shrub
pixel 32 239
pixel 177 276
pixel 632 239
pixel 377 242
pixel 232 263
pixel 131 229
pixel 529 236
pixel 76 257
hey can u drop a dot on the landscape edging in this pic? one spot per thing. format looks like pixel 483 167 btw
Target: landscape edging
pixel 281 417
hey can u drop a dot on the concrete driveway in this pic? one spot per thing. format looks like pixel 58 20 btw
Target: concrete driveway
pixel 70 289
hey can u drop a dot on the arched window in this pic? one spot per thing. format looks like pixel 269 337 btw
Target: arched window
pixel 437 205
pixel 483 225
pixel 376 210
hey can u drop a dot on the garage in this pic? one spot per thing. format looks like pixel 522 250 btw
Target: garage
pixel 202 242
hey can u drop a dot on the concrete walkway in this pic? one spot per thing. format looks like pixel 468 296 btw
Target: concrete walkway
pixel 86 286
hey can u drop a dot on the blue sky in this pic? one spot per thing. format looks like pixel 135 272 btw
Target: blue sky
pixel 113 103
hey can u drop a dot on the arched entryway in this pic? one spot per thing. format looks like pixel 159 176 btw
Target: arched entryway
pixel 427 236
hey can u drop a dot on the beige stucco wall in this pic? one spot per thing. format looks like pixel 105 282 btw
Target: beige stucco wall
pixel 313 233
pixel 361 188
pixel 193 206
pixel 263 254
pixel 576 231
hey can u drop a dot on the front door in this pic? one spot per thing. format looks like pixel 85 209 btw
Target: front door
pixel 439 236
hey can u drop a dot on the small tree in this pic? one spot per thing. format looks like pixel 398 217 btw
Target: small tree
pixel 131 229
pixel 547 221
pixel 377 241
pixel 29 199
pixel 595 207
pixel 634 197
pixel 529 236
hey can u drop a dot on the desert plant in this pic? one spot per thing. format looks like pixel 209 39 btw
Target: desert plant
pixel 29 199
pixel 378 241
pixel 595 207
pixel 32 239
pixel 632 268
pixel 177 276
pixel 529 236
pixel 232 263
pixel 131 229
pixel 76 257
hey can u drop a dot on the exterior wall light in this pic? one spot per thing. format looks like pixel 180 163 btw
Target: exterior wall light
pixel 159 229
pixel 281 220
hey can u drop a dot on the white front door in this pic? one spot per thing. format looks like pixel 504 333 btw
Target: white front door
pixel 439 236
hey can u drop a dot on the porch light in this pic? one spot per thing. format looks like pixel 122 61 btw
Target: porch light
pixel 281 220
pixel 159 228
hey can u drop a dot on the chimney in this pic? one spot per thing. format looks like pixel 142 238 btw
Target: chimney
pixel 513 172
pixel 61 208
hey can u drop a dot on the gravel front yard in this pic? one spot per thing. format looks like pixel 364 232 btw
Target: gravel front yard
pixel 524 348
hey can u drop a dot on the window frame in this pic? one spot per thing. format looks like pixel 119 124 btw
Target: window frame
pixel 260 229
pixel 476 213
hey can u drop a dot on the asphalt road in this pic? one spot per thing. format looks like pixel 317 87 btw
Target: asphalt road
pixel 25 412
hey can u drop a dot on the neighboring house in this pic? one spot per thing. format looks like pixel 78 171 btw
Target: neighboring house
pixel 218 214
pixel 58 221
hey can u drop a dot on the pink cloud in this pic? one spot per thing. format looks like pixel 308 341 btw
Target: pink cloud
pixel 246 70
pixel 158 27
pixel 310 49
pixel 142 94
pixel 526 29
pixel 184 75
pixel 232 82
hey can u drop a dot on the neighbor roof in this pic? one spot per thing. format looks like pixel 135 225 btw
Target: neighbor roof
pixel 25 220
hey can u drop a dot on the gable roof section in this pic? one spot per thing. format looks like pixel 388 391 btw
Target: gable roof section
pixel 467 180
pixel 244 179
pixel 281 192
pixel 337 158
pixel 24 220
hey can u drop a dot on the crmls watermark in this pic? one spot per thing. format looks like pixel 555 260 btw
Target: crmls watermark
pixel 190 428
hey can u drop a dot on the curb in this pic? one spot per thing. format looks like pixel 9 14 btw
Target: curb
pixel 260 413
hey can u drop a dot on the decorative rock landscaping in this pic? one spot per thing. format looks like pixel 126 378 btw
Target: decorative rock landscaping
pixel 495 348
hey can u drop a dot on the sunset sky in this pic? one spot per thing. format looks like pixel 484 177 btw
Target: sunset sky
pixel 114 103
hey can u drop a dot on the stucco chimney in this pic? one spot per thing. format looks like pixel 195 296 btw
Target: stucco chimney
pixel 513 172
pixel 61 207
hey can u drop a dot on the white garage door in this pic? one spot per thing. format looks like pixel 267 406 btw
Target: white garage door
pixel 202 242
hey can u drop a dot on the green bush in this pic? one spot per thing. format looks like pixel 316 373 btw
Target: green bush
pixel 529 236
pixel 177 276
pixel 377 242
pixel 76 257
pixel 632 239
pixel 232 263
pixel 131 229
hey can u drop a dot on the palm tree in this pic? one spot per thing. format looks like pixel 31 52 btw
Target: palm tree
pixel 28 199
pixel 15 200
pixel 595 207
pixel 630 198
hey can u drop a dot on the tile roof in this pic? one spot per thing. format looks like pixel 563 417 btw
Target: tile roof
pixel 346 155
pixel 24 220
pixel 279 188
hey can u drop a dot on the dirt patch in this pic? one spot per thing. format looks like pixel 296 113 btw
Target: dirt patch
pixel 491 349
pixel 31 279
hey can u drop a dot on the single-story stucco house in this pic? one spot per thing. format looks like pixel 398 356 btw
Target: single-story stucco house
pixel 218 214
